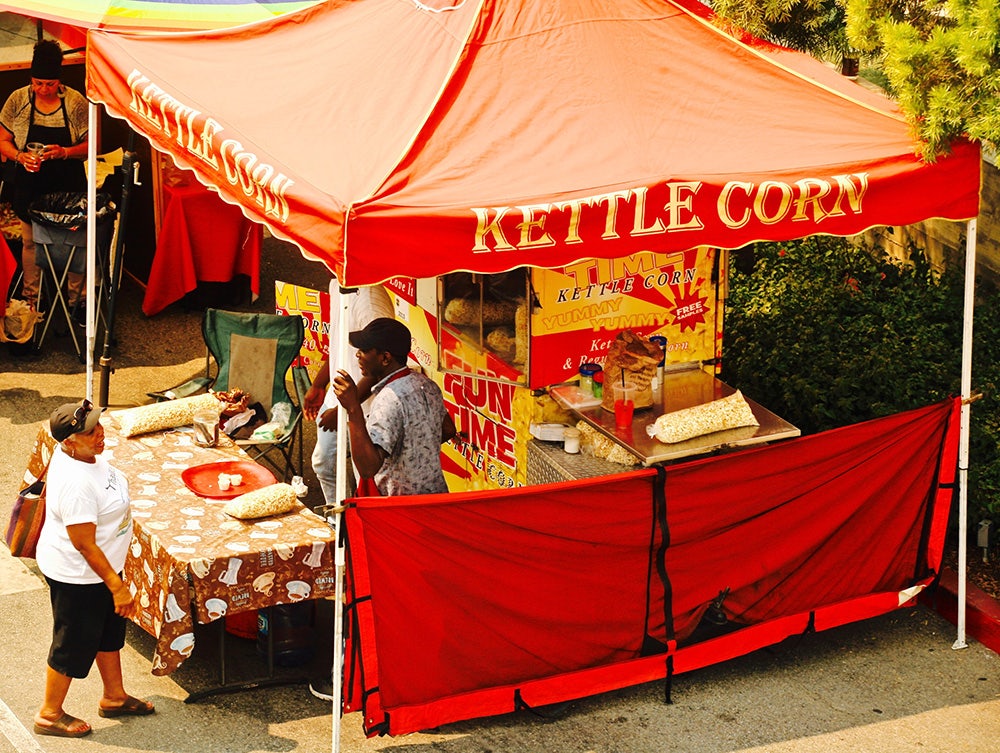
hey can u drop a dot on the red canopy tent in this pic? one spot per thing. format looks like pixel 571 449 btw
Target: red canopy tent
pixel 386 138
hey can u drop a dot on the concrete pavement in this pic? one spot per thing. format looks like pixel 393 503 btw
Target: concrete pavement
pixel 888 684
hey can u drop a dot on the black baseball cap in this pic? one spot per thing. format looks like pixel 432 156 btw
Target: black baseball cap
pixel 73 418
pixel 384 334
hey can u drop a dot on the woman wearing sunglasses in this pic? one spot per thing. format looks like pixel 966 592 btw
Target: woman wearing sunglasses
pixel 81 553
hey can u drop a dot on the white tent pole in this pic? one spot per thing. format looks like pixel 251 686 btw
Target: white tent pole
pixel 963 442
pixel 342 349
pixel 91 243
pixel 342 346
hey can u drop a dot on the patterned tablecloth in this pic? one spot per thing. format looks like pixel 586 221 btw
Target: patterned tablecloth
pixel 189 560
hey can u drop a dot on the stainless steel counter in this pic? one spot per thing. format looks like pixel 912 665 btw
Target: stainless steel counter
pixel 549 463
pixel 684 389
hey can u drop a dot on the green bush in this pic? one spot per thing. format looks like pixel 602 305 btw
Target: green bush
pixel 828 333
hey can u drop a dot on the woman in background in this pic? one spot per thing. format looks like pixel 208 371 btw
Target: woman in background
pixel 45 112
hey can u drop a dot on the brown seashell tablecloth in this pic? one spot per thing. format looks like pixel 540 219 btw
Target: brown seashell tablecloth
pixel 190 561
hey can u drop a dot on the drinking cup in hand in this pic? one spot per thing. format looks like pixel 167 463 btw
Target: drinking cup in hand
pixel 34 160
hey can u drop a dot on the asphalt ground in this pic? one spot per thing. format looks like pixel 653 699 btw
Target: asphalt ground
pixel 892 683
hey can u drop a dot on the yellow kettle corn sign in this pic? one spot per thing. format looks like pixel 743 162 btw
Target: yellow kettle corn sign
pixel 581 308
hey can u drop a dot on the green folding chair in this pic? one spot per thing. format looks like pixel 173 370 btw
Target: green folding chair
pixel 254 352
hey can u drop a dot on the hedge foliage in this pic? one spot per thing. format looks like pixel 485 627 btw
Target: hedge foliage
pixel 827 333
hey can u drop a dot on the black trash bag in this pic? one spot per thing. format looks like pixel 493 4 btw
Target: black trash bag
pixel 59 222
pixel 68 209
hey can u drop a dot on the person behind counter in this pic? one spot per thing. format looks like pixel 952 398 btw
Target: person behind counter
pixel 45 112
pixel 81 553
pixel 399 446
pixel 320 402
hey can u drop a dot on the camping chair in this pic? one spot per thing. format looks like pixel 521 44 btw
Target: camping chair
pixel 254 353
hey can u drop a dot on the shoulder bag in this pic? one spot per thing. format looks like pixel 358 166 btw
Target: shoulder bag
pixel 27 518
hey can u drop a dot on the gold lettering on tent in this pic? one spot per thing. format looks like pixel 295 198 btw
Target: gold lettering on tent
pixel 639 227
pixel 610 201
pixel 609 211
pixel 811 192
pixel 491 227
pixel 726 200
pixel 142 94
pixel 770 202
pixel 257 180
pixel 632 212
pixel 681 197
pixel 784 193
pixel 192 131
pixel 197 134
pixel 573 229
pixel 530 221
pixel 854 192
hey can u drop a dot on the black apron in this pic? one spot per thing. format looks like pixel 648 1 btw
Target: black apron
pixel 54 175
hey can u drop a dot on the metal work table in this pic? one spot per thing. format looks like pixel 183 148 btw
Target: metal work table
pixel 683 389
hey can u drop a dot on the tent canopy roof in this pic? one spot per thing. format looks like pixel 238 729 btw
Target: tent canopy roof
pixel 390 138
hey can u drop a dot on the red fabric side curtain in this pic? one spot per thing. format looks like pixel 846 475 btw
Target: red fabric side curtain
pixel 810 522
pixel 466 605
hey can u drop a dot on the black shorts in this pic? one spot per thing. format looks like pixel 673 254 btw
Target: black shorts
pixel 83 623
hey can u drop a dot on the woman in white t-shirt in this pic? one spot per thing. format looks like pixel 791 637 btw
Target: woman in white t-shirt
pixel 81 553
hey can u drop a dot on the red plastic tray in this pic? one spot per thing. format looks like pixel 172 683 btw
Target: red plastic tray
pixel 203 480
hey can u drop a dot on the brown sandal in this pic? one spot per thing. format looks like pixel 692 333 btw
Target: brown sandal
pixel 131 707
pixel 60 727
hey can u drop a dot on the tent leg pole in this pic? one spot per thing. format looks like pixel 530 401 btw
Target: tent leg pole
pixel 963 446
pixel 91 243
pixel 338 640
pixel 339 358
pixel 342 347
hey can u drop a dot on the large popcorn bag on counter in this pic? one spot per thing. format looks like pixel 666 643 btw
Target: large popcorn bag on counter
pixel 637 359
pixel 166 415
pixel 718 415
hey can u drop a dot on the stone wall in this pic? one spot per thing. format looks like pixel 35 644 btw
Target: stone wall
pixel 945 240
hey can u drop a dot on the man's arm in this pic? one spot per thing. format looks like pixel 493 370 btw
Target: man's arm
pixel 367 456
pixel 328 421
pixel 313 399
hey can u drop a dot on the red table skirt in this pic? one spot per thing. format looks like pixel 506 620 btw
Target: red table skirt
pixel 201 239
